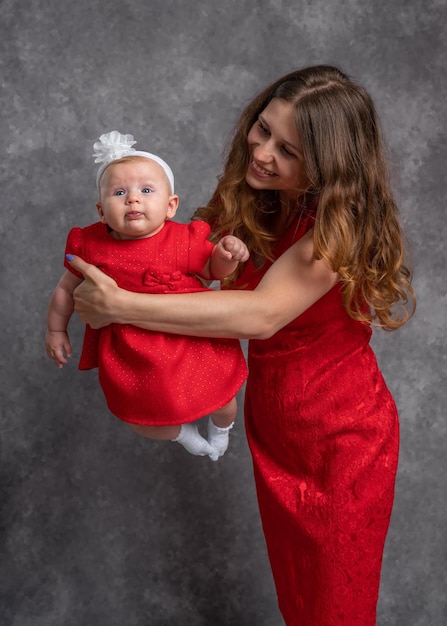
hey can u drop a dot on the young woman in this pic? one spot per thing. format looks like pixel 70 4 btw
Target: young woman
pixel 305 185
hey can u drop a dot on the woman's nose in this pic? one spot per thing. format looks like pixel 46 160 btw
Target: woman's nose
pixel 264 152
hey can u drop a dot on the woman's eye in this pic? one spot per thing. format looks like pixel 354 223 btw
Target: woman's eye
pixel 287 152
pixel 262 128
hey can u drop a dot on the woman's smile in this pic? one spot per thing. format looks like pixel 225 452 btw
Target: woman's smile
pixel 259 170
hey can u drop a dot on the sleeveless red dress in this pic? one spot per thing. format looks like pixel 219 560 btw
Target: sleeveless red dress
pixel 323 431
pixel 152 378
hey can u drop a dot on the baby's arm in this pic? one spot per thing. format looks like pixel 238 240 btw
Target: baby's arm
pixel 57 341
pixel 224 258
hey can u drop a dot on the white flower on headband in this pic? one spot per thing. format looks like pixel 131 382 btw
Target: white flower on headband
pixel 112 146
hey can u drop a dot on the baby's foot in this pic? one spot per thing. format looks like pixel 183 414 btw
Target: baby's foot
pixel 190 438
pixel 218 438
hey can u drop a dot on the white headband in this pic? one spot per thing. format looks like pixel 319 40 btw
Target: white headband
pixel 113 146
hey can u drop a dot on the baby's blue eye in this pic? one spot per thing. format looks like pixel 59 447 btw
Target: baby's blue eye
pixel 120 192
pixel 146 190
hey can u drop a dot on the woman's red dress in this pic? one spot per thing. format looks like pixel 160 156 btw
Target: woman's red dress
pixel 152 378
pixel 323 431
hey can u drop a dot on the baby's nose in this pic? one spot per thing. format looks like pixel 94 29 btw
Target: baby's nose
pixel 132 196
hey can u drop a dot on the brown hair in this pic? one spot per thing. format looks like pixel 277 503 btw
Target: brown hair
pixel 357 228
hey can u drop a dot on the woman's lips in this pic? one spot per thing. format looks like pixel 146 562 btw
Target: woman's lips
pixel 260 171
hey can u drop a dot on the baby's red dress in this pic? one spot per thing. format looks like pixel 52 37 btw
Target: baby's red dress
pixel 153 378
pixel 323 431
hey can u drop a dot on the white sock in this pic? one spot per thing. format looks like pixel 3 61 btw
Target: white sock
pixel 190 438
pixel 218 438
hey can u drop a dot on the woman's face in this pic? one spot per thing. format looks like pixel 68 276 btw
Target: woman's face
pixel 276 160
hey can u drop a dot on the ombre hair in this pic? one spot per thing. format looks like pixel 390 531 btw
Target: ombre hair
pixel 357 228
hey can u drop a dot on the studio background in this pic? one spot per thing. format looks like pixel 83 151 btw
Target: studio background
pixel 100 527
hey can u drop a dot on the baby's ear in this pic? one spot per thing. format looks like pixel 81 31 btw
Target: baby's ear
pixel 100 212
pixel 172 205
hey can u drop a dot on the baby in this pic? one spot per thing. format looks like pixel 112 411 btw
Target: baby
pixel 160 384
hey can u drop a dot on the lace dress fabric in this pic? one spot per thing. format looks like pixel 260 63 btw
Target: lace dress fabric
pixel 147 377
pixel 323 431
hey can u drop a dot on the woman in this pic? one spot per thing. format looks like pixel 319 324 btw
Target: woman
pixel 305 186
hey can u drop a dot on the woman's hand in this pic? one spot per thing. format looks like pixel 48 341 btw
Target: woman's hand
pixel 95 296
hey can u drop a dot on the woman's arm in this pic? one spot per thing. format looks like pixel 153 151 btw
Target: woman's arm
pixel 293 283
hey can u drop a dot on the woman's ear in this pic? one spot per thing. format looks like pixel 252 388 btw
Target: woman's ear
pixel 172 205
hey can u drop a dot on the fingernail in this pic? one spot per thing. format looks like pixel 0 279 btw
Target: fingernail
pixel 69 257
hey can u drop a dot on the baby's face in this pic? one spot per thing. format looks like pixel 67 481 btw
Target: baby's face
pixel 136 198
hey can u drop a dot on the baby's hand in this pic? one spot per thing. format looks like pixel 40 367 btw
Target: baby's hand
pixel 57 343
pixel 231 248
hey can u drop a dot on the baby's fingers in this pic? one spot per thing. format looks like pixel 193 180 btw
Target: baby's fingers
pixel 58 351
pixel 240 252
pixel 57 356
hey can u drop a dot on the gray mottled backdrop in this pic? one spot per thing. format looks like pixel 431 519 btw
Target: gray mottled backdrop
pixel 100 527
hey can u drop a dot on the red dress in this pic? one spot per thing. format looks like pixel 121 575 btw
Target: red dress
pixel 323 431
pixel 152 378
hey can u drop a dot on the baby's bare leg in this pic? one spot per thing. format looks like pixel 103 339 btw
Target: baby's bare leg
pixel 219 425
pixel 225 416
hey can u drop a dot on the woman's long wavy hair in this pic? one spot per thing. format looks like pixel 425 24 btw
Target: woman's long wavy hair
pixel 357 228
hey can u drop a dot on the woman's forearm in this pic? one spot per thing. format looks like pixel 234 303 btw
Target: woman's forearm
pixel 100 302
pixel 238 314
pixel 293 283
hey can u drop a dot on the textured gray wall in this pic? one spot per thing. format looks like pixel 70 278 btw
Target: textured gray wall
pixel 100 527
